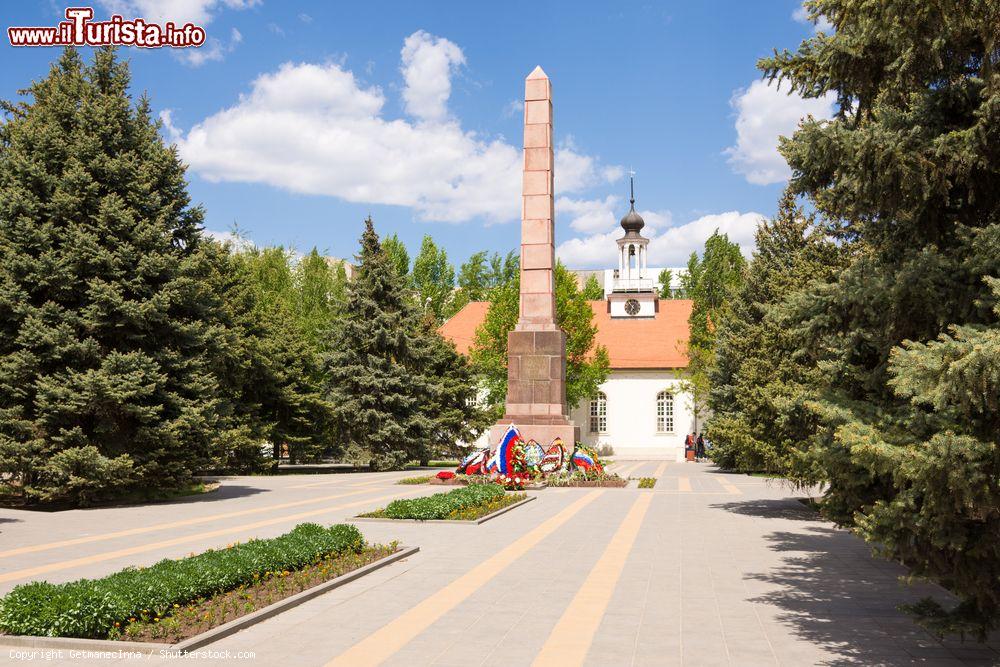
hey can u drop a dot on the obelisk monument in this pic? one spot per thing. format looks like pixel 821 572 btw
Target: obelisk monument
pixel 536 348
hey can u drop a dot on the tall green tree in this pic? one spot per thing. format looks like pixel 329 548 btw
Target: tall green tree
pixel 433 278
pixel 592 290
pixel 711 282
pixel 763 377
pixel 319 291
pixel 282 394
pixel 587 364
pixel 666 277
pixel 398 255
pixel 397 389
pixel 111 346
pixel 907 175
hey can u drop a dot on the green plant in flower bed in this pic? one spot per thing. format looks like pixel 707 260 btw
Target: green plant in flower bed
pixel 91 607
pixel 587 478
pixel 647 482
pixel 441 505
pixel 422 479
pixel 479 511
pixel 203 614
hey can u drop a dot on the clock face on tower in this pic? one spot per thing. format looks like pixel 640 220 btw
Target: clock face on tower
pixel 632 307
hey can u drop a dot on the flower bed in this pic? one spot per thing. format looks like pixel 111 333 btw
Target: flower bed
pixel 201 615
pixel 99 608
pixel 466 503
pixel 588 478
pixel 647 482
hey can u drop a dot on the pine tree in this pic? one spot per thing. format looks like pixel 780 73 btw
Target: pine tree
pixel 110 348
pixel 761 379
pixel 397 389
pixel 281 397
pixel 907 175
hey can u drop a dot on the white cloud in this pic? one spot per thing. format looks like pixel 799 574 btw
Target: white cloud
pixel 574 170
pixel 315 129
pixel 675 244
pixel 765 112
pixel 428 63
pixel 513 108
pixel 822 24
pixel 199 12
pixel 589 215
pixel 212 50
pixel 670 246
pixel 237 241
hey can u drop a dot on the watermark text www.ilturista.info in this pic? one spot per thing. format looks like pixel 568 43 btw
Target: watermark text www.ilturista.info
pixel 80 30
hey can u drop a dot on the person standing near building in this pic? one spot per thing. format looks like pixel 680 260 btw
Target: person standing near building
pixel 700 448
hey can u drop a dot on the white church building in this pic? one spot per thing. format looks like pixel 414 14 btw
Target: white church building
pixel 643 409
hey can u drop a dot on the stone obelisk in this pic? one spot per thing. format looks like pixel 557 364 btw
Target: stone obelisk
pixel 536 348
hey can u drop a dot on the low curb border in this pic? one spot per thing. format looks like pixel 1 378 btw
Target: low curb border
pixel 467 522
pixel 209 636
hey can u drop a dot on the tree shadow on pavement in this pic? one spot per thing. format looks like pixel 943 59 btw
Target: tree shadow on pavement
pixel 768 508
pixel 831 592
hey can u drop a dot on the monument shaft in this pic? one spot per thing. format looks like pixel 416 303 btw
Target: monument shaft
pixel 536 348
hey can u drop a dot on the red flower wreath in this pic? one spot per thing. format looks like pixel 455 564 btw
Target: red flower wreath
pixel 445 474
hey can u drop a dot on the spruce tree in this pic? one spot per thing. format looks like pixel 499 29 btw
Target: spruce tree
pixel 762 378
pixel 907 175
pixel 397 389
pixel 109 345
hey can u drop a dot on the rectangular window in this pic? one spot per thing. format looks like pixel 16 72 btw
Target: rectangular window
pixel 665 414
pixel 599 415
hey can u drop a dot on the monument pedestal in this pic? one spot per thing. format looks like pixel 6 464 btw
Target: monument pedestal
pixel 536 388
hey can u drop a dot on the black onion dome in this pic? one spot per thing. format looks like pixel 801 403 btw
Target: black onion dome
pixel 633 222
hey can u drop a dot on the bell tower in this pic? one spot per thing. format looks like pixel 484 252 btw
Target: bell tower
pixel 633 292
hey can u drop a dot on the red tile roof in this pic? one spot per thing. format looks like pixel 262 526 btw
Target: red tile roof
pixel 656 342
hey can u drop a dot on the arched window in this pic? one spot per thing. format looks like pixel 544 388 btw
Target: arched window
pixel 599 413
pixel 664 412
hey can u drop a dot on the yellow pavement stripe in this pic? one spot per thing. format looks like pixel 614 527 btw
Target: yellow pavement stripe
pixel 570 639
pixel 628 470
pixel 730 489
pixel 152 546
pixel 684 484
pixel 660 469
pixel 173 524
pixel 387 640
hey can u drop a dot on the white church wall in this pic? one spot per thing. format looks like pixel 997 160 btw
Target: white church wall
pixel 632 414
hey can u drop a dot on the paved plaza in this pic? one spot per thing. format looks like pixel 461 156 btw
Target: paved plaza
pixel 706 569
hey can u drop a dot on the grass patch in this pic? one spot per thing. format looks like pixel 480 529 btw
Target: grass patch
pixel 443 464
pixel 647 482
pixel 422 479
pixel 93 608
pixel 462 504
pixel 203 614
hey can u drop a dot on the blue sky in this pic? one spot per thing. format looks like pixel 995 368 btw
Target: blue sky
pixel 300 118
